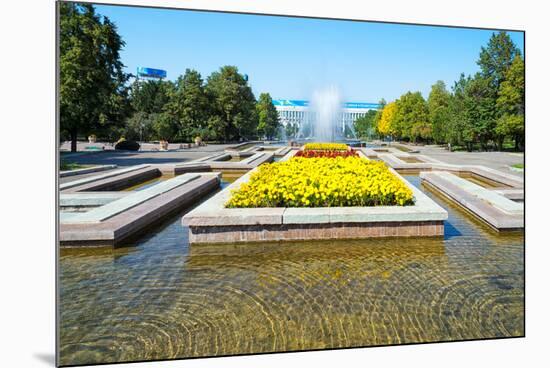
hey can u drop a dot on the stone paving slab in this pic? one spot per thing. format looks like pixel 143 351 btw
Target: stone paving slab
pixel 117 182
pixel 116 229
pixel 481 203
pixel 182 168
pixel 513 194
pixel 490 196
pixel 433 164
pixel 86 170
pixel 86 199
pixel 125 203
pixel 100 176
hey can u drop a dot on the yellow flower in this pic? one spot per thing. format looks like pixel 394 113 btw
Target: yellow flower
pixel 322 182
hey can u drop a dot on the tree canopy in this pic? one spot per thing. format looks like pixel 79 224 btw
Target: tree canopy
pixel 511 103
pixel 93 91
pixel 268 118
pixel 483 109
pixel 233 103
pixel 190 106
pixel 386 125
pixel 438 107
pixel 365 126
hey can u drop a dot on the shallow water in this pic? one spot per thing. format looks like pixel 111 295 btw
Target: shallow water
pixel 163 299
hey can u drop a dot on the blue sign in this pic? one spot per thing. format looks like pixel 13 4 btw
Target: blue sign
pixel 151 73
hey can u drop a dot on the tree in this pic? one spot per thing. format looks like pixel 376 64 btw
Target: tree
pixel 268 118
pixel 438 108
pixel 139 127
pixel 150 96
pixel 165 126
pixel 495 61
pixel 148 100
pixel 93 95
pixel 411 110
pixel 480 107
pixel 233 105
pixel 376 122
pixel 364 126
pixel 386 125
pixel 291 129
pixel 189 104
pixel 456 127
pixel 511 103
pixel 497 57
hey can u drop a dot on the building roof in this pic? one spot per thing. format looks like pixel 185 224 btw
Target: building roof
pixel 305 103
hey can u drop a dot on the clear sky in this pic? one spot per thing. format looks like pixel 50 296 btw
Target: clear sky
pixel 291 57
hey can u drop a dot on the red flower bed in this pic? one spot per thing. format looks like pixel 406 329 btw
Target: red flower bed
pixel 332 154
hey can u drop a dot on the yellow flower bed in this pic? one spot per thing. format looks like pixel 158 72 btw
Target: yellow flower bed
pixel 325 147
pixel 322 182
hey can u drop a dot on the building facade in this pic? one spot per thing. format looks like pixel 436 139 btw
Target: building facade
pixel 297 113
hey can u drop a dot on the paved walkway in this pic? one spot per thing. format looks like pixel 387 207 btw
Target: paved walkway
pixel 496 160
pixel 128 158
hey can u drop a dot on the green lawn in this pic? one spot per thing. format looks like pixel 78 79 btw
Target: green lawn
pixel 519 166
pixel 71 166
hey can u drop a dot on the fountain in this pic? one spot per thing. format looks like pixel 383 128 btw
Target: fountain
pixel 325 122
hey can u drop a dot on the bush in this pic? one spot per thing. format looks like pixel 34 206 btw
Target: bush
pixel 322 182
pixel 127 145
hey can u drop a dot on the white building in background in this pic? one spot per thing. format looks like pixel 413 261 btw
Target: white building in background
pixel 296 112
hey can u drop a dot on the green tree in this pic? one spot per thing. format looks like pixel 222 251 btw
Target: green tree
pixel 139 127
pixel 480 107
pixel 233 105
pixel 93 95
pixel 364 126
pixel 497 57
pixel 411 118
pixel 378 116
pixel 268 118
pixel 456 127
pixel 291 130
pixel 438 107
pixel 494 61
pixel 148 100
pixel 189 104
pixel 511 103
pixel 165 126
pixel 150 96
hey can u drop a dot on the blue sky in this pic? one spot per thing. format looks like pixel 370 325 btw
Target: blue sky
pixel 291 57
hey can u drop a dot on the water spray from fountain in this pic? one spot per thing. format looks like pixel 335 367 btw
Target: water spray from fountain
pixel 325 118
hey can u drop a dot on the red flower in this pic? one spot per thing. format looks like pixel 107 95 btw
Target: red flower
pixel 326 153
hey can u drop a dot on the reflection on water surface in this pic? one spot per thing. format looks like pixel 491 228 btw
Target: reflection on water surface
pixel 161 298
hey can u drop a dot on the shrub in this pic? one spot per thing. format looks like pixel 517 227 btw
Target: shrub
pixel 322 182
pixel 127 145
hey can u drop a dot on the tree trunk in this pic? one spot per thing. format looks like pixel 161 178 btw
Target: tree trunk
pixel 73 140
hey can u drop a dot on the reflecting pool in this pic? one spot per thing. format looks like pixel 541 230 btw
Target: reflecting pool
pixel 160 298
